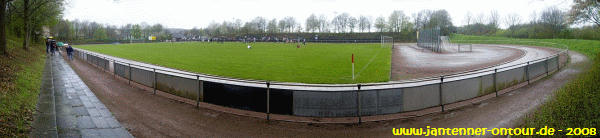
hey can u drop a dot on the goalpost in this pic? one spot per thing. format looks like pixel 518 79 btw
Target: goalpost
pixel 387 41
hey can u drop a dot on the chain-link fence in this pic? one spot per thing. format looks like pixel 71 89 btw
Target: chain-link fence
pixel 328 100
pixel 430 39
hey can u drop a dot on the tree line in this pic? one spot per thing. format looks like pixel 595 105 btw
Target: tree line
pixel 88 32
pixel 24 20
pixel 549 23
pixel 397 22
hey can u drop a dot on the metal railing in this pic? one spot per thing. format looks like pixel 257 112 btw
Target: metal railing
pixel 328 100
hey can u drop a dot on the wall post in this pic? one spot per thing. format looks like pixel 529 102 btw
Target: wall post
pixel 200 90
pixel 129 73
pixel 358 108
pixel 495 81
pixel 268 100
pixel 441 97
pixel 154 84
pixel 114 69
pixel 527 72
pixel 558 62
pixel 546 62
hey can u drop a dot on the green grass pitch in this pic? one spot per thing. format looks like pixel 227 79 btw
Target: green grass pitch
pixel 313 63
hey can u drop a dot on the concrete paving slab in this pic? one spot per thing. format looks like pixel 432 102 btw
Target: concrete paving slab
pixel 68 108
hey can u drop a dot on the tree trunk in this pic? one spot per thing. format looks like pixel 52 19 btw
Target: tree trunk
pixel 26 24
pixel 3 19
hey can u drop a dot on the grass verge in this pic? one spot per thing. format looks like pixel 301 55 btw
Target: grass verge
pixel 20 79
pixel 575 105
pixel 587 47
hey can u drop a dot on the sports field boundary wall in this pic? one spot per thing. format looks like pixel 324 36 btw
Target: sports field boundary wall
pixel 327 100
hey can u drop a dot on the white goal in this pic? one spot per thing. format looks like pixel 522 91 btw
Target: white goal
pixel 387 41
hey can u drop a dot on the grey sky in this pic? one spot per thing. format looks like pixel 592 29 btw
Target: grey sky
pixel 199 13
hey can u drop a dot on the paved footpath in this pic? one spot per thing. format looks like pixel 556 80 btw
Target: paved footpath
pixel 68 108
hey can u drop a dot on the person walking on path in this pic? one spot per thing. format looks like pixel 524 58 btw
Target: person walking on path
pixel 70 52
pixel 48 45
pixel 52 46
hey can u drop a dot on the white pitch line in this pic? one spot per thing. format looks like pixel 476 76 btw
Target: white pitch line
pixel 365 67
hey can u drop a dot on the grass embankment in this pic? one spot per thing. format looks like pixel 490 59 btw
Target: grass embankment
pixel 577 103
pixel 587 47
pixel 20 79
pixel 313 63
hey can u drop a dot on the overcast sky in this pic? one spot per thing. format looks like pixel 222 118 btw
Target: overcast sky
pixel 199 13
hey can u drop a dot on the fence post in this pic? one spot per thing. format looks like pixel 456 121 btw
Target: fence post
pixel 470 47
pixel 441 97
pixel 527 72
pixel 546 62
pixel 268 100
pixel 567 56
pixel 495 81
pixel 200 90
pixel 114 68
pixel 558 62
pixel 154 84
pixel 129 73
pixel 358 111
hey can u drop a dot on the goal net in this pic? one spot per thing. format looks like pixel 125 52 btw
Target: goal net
pixel 387 41
pixel 448 46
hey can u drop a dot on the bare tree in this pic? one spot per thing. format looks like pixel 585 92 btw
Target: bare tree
pixel 511 20
pixel 494 19
pixel 395 21
pixel 323 24
pixel 272 26
pixel 282 24
pixel 534 22
pixel 260 24
pixel 380 24
pixel 290 23
pixel 364 24
pixel 406 24
pixel 340 22
pixel 480 19
pixel 554 19
pixel 312 23
pixel 352 22
pixel 233 27
pixel 468 18
pixel 422 19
